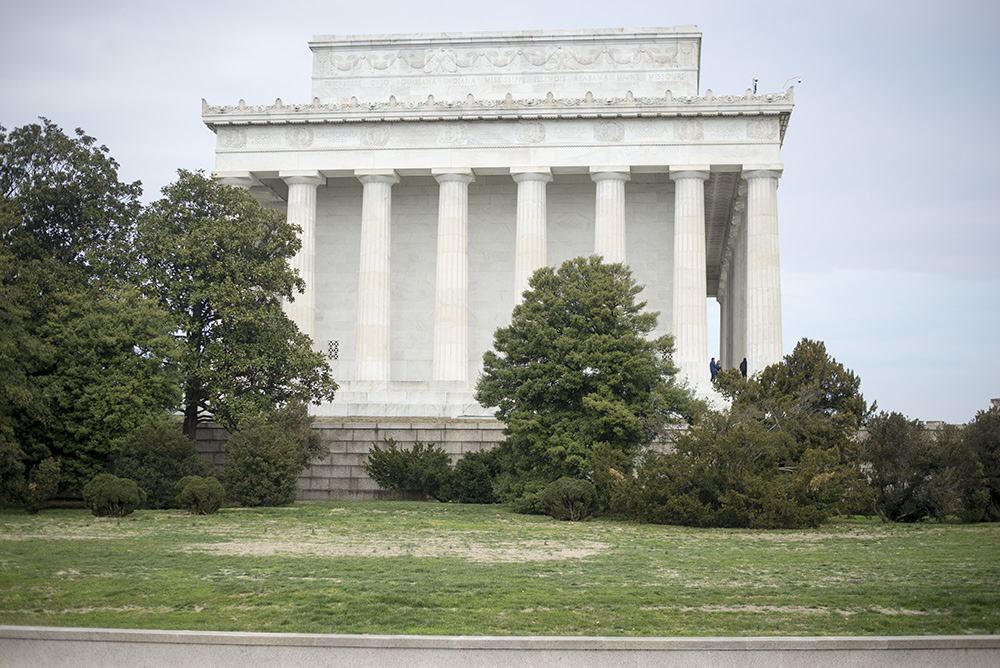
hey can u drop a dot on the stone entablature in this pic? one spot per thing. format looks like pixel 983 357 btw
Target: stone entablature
pixel 646 61
pixel 769 113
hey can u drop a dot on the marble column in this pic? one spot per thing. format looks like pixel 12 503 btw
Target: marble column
pixel 532 223
pixel 451 294
pixel 725 327
pixel 690 293
pixel 738 284
pixel 373 354
pixel 609 214
pixel 763 278
pixel 302 212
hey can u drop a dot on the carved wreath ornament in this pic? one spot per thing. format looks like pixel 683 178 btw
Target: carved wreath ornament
pixel 450 61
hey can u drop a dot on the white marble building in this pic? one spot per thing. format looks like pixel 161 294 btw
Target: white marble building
pixel 432 174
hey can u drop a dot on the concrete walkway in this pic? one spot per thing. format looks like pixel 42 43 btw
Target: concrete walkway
pixel 37 647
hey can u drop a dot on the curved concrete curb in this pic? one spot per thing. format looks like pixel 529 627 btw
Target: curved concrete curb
pixel 32 646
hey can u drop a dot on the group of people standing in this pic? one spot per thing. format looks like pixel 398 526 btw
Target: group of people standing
pixel 715 367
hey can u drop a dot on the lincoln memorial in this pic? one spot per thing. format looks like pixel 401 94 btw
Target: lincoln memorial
pixel 432 174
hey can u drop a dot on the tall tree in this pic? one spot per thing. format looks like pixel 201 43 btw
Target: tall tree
pixel 218 262
pixel 575 373
pixel 82 354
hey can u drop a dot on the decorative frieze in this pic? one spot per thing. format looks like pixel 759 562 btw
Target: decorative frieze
pixel 413 66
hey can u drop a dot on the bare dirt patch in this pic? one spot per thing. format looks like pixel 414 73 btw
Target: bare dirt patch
pixel 430 546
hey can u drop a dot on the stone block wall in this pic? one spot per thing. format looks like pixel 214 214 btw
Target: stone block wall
pixel 339 476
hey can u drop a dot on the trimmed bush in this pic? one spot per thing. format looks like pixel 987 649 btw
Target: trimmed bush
pixel 424 469
pixel 200 496
pixel 264 458
pixel 156 456
pixel 472 478
pixel 43 483
pixel 110 496
pixel 569 499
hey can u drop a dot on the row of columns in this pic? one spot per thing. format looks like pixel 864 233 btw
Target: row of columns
pixel 751 305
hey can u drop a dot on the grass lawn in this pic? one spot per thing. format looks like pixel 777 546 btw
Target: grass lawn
pixel 428 568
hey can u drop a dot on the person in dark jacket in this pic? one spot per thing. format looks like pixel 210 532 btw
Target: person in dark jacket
pixel 714 368
pixel 743 367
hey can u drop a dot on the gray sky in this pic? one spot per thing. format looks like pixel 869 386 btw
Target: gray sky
pixel 888 203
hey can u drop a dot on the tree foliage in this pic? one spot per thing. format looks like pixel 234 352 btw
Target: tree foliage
pixel 84 356
pixel 783 455
pixel 218 263
pixel 575 370
pixel 982 437
pixel 917 474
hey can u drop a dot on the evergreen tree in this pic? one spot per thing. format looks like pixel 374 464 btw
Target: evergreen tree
pixel 574 372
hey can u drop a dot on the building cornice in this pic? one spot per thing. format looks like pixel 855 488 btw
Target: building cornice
pixel 508 109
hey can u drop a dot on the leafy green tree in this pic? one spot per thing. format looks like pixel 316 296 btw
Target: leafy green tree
pixel 574 370
pixel 918 474
pixel 902 464
pixel 68 202
pixel 982 437
pixel 218 262
pixel 83 355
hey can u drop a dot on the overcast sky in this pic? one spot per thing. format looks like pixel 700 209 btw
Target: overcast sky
pixel 888 206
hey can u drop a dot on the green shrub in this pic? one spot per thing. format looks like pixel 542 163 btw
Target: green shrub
pixel 156 456
pixel 110 496
pixel 731 472
pixel 521 491
pixel 200 496
pixel 264 457
pixel 473 476
pixel 43 483
pixel 569 499
pixel 424 469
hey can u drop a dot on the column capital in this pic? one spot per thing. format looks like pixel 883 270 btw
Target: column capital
pixel 377 175
pixel 690 172
pixel 309 177
pixel 519 174
pixel 238 179
pixel 762 171
pixel 616 173
pixel 460 175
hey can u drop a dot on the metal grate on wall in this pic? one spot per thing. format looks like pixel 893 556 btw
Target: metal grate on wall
pixel 333 350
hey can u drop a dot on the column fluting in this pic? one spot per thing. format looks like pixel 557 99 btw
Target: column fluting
pixel 690 291
pixel 609 212
pixel 763 270
pixel 373 351
pixel 532 224
pixel 451 295
pixel 302 212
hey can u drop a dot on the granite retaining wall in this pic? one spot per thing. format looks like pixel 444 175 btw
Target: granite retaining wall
pixel 339 476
